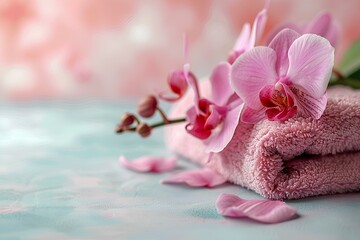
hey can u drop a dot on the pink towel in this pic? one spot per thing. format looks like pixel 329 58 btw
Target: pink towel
pixel 296 159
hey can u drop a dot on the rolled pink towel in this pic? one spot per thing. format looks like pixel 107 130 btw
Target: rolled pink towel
pixel 299 158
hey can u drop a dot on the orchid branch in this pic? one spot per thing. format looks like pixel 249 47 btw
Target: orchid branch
pixel 155 125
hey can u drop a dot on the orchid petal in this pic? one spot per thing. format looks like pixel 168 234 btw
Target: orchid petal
pixel 243 38
pixel 197 129
pixel 249 115
pixel 177 82
pixel 258 28
pixel 265 211
pixel 168 96
pixel 213 119
pixel 275 114
pixel 186 48
pixel 251 71
pixel 325 26
pixel 196 124
pixel 148 164
pixel 265 96
pixel 219 140
pixel 234 101
pixel 197 178
pixel 279 28
pixel 281 44
pixel 333 33
pixel 272 113
pixel 191 114
pixel 193 84
pixel 308 106
pixel 311 59
pixel 220 84
pixel 320 24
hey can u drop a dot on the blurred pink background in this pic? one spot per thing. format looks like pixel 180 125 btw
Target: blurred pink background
pixel 109 49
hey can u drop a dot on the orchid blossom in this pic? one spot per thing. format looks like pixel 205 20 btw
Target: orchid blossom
pixel 215 120
pixel 247 37
pixel 177 80
pixel 288 77
pixel 323 24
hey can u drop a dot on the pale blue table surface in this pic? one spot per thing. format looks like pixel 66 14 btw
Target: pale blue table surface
pixel 60 179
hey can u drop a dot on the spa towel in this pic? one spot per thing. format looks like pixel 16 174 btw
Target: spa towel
pixel 299 158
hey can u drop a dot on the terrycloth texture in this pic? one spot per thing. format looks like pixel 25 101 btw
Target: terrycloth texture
pixel 295 159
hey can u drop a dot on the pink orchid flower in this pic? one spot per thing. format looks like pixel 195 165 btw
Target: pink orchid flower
pixel 215 120
pixel 289 76
pixel 247 37
pixel 265 211
pixel 177 80
pixel 323 24
pixel 197 178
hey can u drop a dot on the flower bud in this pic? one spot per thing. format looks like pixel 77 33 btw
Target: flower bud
pixel 177 82
pixel 127 119
pixel 120 128
pixel 147 106
pixel 143 130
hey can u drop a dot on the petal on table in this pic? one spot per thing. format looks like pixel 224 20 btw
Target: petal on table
pixel 197 178
pixel 266 211
pixel 149 164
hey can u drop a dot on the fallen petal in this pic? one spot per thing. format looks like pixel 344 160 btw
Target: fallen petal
pixel 265 211
pixel 149 164
pixel 197 178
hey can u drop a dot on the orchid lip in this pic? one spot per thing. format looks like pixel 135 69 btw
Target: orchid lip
pixel 283 80
pixel 277 101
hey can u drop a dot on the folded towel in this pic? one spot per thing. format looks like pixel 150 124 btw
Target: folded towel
pixel 299 158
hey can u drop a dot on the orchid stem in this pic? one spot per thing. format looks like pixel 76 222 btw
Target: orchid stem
pixel 338 74
pixel 347 82
pixel 343 80
pixel 162 114
pixel 160 124
pixel 136 119
pixel 173 121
